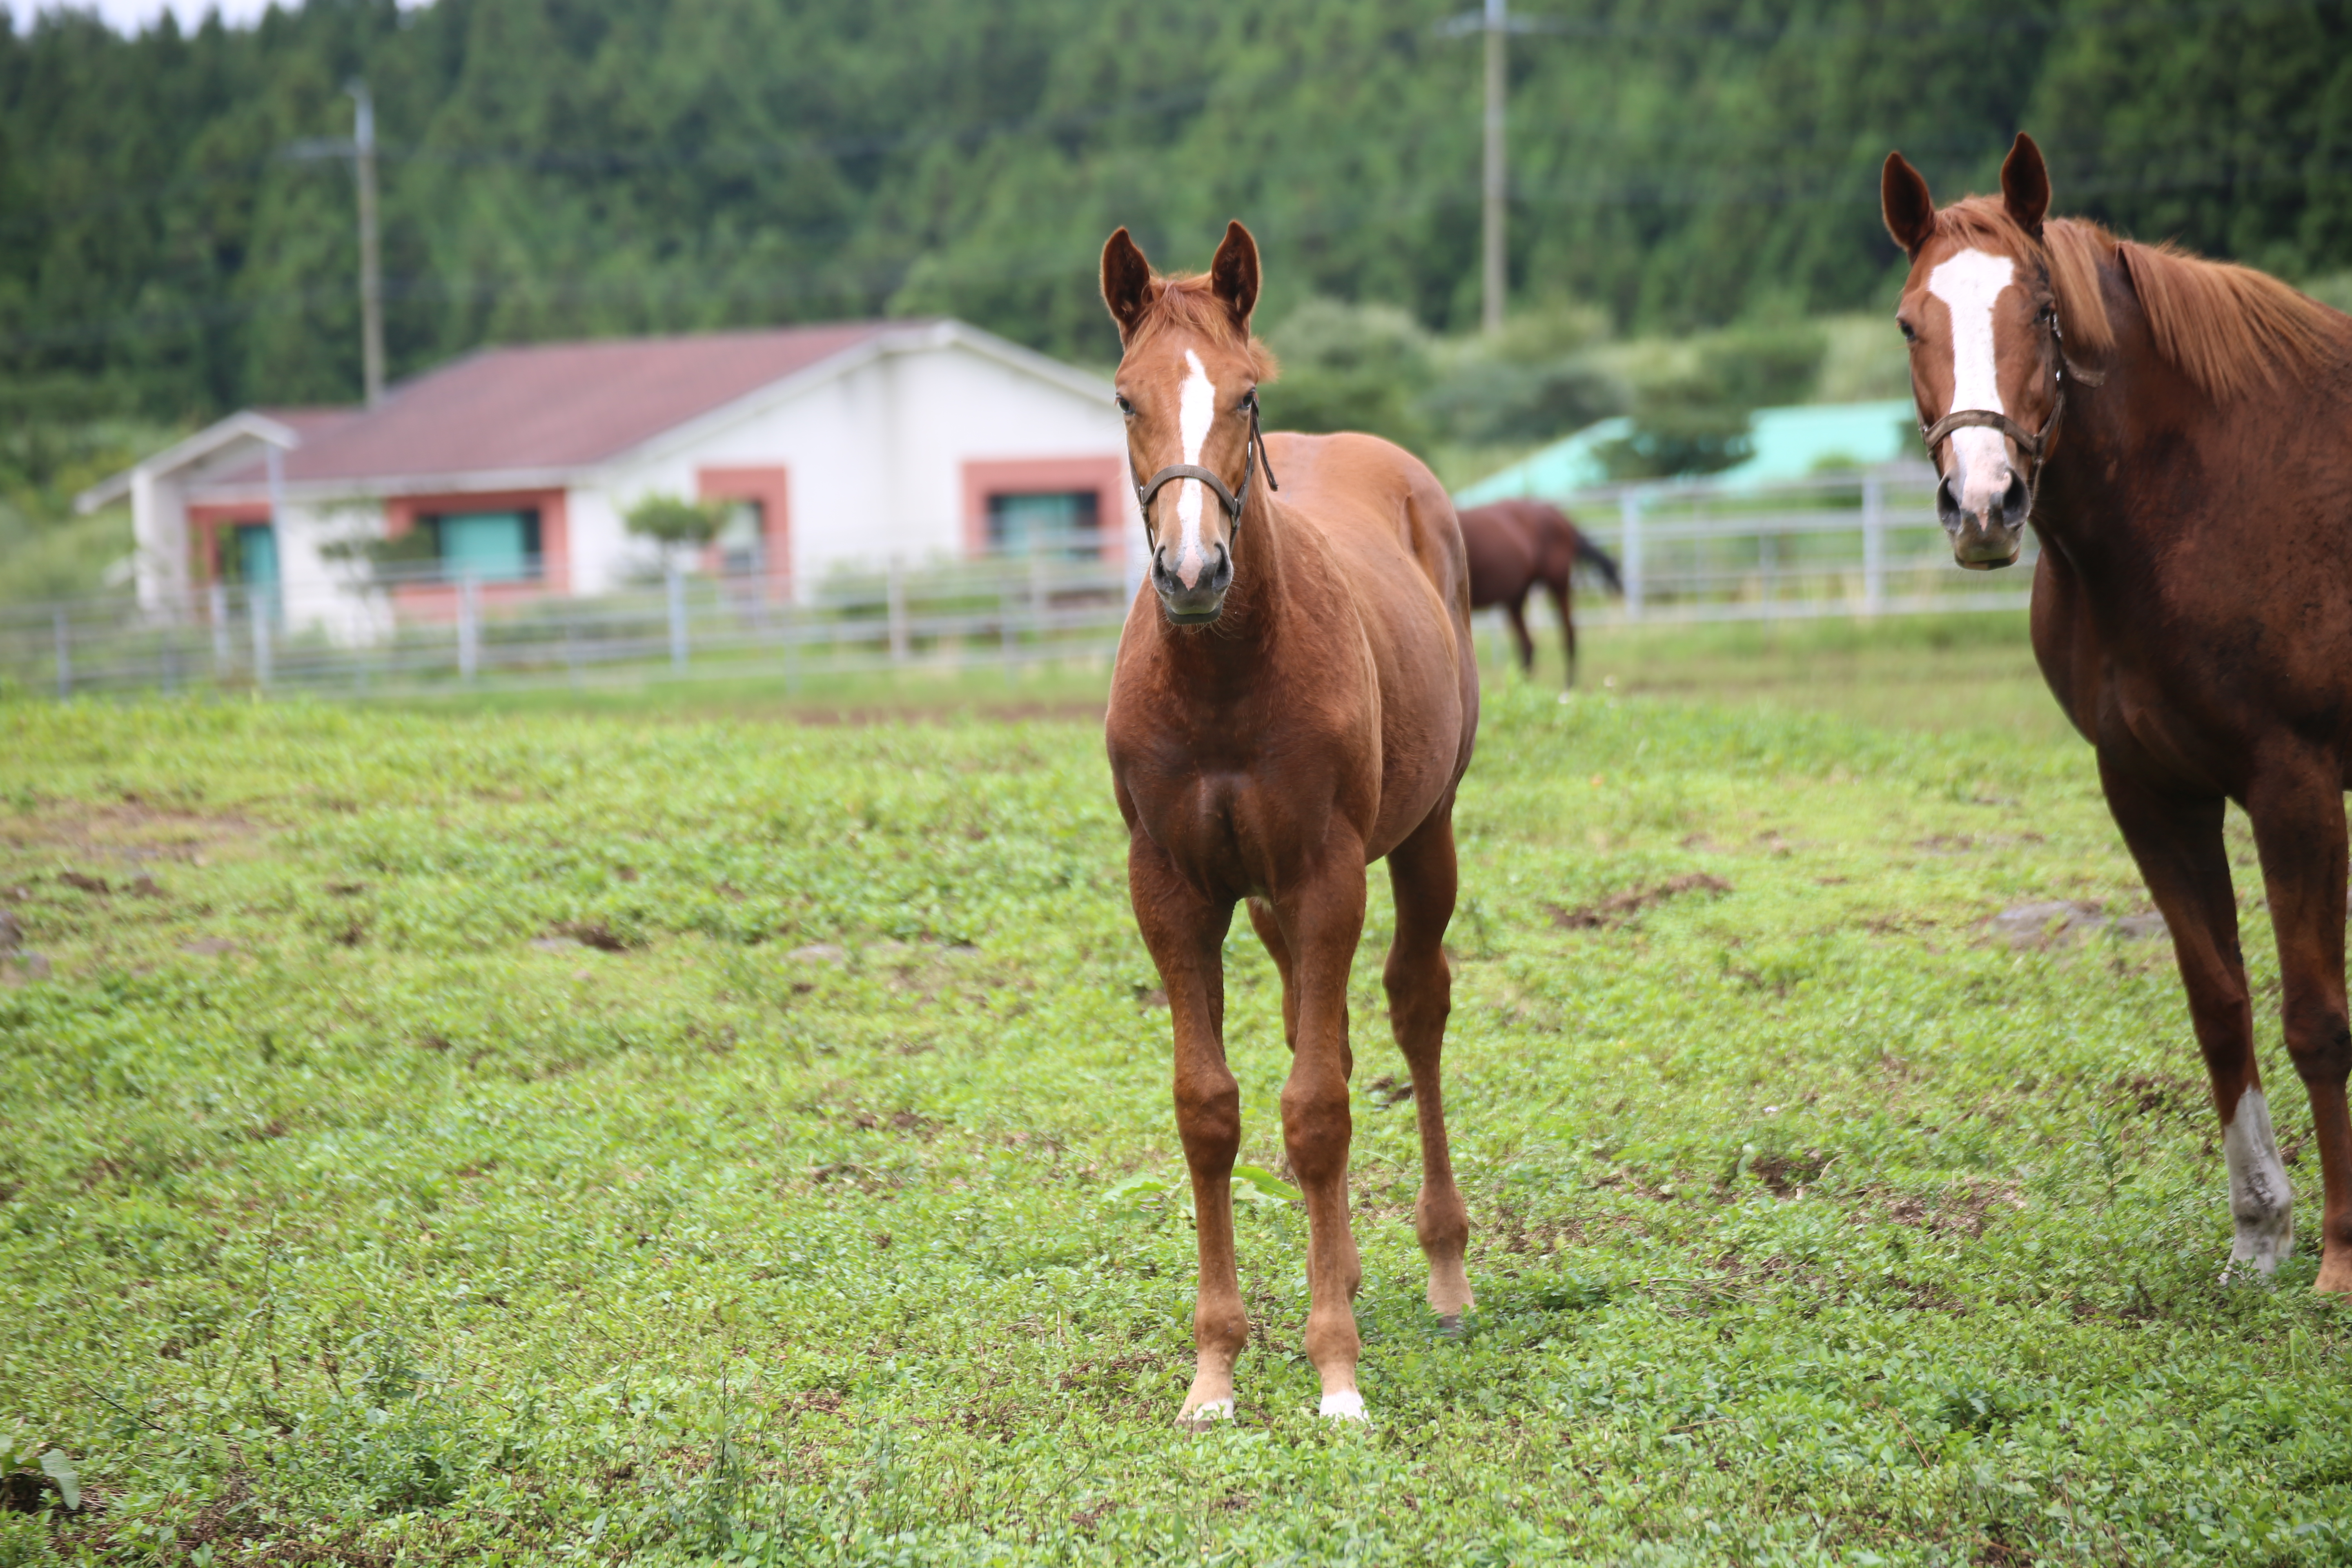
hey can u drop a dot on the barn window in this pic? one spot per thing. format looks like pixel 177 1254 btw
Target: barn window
pixel 742 538
pixel 249 556
pixel 487 546
pixel 1048 522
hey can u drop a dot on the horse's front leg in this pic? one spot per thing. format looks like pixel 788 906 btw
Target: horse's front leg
pixel 2296 805
pixel 1321 922
pixel 2176 840
pixel 1185 932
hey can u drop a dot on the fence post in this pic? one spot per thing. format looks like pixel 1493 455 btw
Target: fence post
pixel 790 629
pixel 218 602
pixel 1629 508
pixel 677 616
pixel 64 655
pixel 1007 629
pixel 1874 544
pixel 1037 598
pixel 572 643
pixel 469 631
pixel 256 610
pixel 895 594
pixel 172 649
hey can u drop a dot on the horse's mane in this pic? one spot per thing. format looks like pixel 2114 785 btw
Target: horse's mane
pixel 1187 300
pixel 2229 328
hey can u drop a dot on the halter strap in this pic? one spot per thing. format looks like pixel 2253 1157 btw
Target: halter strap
pixel 2034 444
pixel 1253 457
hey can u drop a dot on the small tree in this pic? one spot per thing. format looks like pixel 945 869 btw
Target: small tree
pixel 676 523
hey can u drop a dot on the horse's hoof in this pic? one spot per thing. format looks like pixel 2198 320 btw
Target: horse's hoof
pixel 2247 1272
pixel 1449 1325
pixel 1204 1416
pixel 1347 1404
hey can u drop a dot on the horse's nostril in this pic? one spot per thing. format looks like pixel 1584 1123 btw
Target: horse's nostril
pixel 1947 498
pixel 2015 498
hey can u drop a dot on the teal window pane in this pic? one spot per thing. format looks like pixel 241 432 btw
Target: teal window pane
pixel 488 546
pixel 257 556
pixel 1053 522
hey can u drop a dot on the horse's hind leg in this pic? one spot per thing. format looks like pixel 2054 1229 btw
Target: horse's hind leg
pixel 1186 935
pixel 1269 931
pixel 1560 598
pixel 1421 995
pixel 1516 611
pixel 2297 808
pixel 2176 840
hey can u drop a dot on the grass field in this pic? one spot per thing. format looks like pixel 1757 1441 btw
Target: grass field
pixel 530 1136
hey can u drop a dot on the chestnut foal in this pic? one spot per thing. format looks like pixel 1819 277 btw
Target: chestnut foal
pixel 1295 697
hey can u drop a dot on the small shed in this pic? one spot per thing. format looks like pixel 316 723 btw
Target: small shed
pixel 1790 443
pixel 837 446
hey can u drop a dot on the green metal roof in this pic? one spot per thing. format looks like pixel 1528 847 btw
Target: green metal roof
pixel 1791 443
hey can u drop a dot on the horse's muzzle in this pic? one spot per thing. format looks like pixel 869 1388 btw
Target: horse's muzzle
pixel 1983 541
pixel 1200 603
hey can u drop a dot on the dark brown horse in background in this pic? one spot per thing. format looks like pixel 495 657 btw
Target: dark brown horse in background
pixel 1296 697
pixel 1514 546
pixel 2179 433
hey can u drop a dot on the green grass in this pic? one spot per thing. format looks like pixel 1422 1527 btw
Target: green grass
pixel 349 1211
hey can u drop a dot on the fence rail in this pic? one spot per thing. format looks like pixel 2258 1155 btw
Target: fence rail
pixel 1843 544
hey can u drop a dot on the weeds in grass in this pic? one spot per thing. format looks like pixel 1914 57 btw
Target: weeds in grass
pixel 528 1138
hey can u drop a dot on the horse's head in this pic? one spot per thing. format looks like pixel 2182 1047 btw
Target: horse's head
pixel 1982 317
pixel 1188 385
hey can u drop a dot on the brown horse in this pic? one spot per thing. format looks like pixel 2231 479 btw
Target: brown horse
pixel 2179 433
pixel 1295 697
pixel 1516 544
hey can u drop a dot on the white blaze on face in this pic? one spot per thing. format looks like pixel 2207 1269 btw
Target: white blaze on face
pixel 1196 410
pixel 1969 284
pixel 2261 1202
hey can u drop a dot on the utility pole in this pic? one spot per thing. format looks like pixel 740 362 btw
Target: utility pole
pixel 371 268
pixel 1494 22
pixel 1493 275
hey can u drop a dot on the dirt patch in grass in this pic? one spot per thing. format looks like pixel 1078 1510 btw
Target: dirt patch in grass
pixel 1963 1211
pixel 129 831
pixel 1619 908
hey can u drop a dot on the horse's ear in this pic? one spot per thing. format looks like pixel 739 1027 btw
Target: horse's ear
pixel 1126 281
pixel 1234 274
pixel 2025 185
pixel 1906 205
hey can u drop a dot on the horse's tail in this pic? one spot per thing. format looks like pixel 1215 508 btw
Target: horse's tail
pixel 1590 554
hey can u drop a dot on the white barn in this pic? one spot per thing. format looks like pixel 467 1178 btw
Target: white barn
pixel 848 444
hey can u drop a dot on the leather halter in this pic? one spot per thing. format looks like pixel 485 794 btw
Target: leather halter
pixel 2034 444
pixel 1253 459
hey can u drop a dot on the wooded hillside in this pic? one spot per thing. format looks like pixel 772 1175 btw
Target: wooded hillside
pixel 174 240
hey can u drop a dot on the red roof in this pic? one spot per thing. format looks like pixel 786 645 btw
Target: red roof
pixel 551 405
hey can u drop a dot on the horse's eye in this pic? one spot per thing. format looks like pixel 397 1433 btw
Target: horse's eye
pixel 1910 335
pixel 1124 405
pixel 1248 403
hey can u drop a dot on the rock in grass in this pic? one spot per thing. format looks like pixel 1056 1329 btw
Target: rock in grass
pixel 2055 922
pixel 2062 923
pixel 24 969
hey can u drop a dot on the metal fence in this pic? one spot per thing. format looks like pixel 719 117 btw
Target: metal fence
pixel 1850 543
pixel 1857 543
pixel 417 631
